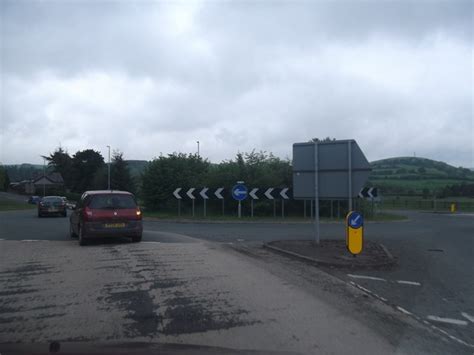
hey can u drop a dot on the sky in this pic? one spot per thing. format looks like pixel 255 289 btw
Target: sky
pixel 151 78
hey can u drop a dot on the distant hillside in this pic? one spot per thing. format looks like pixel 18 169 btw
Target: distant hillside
pixel 414 175
pixel 19 172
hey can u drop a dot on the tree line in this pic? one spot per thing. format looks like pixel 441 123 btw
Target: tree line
pixel 87 170
pixel 166 173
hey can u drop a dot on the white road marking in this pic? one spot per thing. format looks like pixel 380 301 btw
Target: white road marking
pixel 366 277
pixel 403 310
pixel 240 240
pixel 368 291
pixel 447 320
pixel 151 242
pixel 413 283
pixel 33 240
pixel 450 336
pixel 468 317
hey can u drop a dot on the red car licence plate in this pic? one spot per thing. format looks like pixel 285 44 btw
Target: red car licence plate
pixel 114 225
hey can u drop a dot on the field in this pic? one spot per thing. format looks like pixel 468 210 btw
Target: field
pixel 9 205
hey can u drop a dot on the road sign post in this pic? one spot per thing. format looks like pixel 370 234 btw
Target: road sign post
pixel 328 170
pixel 191 196
pixel 253 195
pixel 354 232
pixel 316 193
pixel 178 197
pixel 239 193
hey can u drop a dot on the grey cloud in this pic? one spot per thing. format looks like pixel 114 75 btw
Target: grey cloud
pixel 392 74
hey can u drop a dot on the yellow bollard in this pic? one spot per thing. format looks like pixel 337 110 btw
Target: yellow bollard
pixel 453 208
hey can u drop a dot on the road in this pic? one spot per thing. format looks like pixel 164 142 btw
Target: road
pixel 214 266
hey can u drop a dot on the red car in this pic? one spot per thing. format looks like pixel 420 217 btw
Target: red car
pixel 52 205
pixel 106 214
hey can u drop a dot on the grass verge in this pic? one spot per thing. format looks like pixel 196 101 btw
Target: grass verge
pixel 9 205
pixel 379 217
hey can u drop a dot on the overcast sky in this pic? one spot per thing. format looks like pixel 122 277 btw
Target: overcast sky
pixel 155 77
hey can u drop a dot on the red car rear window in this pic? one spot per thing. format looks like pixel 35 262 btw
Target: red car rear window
pixel 110 201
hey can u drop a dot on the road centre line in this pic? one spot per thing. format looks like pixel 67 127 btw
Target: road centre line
pixel 447 320
pixel 366 277
pixel 413 283
pixel 468 317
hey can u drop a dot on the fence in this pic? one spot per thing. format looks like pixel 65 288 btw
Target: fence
pixel 436 205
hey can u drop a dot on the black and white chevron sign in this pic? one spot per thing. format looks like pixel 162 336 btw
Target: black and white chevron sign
pixel 368 192
pixel 221 193
pixel 204 192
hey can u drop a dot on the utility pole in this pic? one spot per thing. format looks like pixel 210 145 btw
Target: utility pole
pixel 108 175
pixel 198 147
pixel 44 177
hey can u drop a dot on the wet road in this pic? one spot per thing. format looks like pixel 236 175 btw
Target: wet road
pixel 431 250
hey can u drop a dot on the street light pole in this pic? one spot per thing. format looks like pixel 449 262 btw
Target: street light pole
pixel 44 177
pixel 108 175
pixel 198 147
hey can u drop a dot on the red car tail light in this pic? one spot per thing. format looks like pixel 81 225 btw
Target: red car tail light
pixel 87 214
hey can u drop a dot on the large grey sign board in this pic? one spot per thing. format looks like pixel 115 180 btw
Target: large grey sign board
pixel 332 164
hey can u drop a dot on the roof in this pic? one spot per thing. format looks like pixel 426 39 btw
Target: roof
pixel 54 178
pixel 103 192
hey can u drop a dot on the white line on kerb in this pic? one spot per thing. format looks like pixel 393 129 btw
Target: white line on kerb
pixel 403 310
pixel 413 283
pixel 468 317
pixel 447 320
pixel 366 277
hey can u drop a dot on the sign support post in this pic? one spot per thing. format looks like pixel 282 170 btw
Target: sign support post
pixel 316 193
pixel 239 193
pixel 349 159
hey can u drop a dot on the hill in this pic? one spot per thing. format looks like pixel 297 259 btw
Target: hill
pixel 410 175
pixel 19 172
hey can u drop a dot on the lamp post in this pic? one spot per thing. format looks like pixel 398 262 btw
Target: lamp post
pixel 108 169
pixel 44 177
pixel 198 147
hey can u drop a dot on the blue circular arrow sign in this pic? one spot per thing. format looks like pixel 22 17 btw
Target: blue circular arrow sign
pixel 239 192
pixel 355 220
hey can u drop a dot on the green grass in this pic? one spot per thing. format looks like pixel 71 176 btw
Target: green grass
pixel 416 185
pixel 379 217
pixel 463 204
pixel 9 205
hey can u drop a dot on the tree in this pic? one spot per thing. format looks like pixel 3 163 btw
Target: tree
pixel 120 177
pixel 165 174
pixel 4 179
pixel 85 165
pixel 61 162
pixel 327 139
